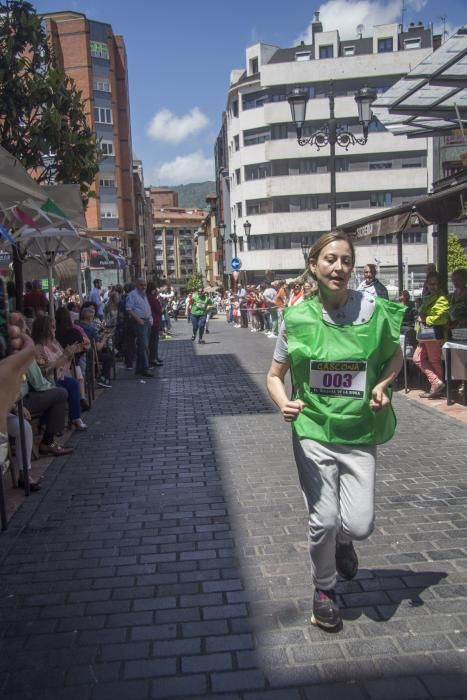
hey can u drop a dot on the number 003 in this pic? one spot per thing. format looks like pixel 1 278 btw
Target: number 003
pixel 337 380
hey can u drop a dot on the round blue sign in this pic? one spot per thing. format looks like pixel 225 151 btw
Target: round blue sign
pixel 235 263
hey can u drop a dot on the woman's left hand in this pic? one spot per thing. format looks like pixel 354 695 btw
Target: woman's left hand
pixel 379 399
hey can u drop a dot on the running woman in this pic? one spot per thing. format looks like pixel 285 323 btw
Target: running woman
pixel 342 348
pixel 199 307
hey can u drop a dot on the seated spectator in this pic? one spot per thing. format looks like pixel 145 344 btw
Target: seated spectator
pixel 67 333
pixel 111 311
pixel 35 298
pixel 42 397
pixel 73 308
pixel 53 359
pixel 106 357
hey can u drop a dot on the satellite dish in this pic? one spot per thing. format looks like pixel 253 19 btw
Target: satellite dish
pixel 360 28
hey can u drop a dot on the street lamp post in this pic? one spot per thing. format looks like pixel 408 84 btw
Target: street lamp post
pixel 247 229
pixel 235 239
pixel 332 133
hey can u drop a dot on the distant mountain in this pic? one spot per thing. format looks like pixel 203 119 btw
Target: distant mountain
pixel 194 194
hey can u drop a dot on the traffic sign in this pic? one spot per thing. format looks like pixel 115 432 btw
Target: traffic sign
pixel 235 263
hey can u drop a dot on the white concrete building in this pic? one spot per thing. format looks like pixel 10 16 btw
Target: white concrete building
pixel 283 188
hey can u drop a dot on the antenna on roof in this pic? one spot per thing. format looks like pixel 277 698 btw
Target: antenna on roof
pixel 444 20
pixel 360 29
pixel 402 14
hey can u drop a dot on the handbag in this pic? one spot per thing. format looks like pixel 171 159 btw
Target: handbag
pixel 428 333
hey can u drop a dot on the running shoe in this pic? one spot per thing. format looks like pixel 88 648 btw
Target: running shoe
pixel 326 612
pixel 346 560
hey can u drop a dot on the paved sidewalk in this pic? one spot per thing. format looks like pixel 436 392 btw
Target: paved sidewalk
pixel 167 556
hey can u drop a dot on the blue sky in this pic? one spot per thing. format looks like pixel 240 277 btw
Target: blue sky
pixel 180 55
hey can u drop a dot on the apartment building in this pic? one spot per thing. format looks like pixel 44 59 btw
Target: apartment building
pixel 95 58
pixel 283 188
pixel 174 231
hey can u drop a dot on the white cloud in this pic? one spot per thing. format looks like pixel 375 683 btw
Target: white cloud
pixel 193 167
pixel 166 126
pixel 346 15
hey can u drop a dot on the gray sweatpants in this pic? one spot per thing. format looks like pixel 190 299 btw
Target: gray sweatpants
pixel 338 484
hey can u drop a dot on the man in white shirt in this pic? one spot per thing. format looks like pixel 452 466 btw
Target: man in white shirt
pixel 137 306
pixel 371 285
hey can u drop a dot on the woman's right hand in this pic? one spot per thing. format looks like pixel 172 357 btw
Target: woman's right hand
pixel 291 410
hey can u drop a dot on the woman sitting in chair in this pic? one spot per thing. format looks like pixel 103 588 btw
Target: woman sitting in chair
pixel 100 338
pixel 55 363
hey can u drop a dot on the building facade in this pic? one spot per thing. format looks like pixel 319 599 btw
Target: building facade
pixel 283 188
pixel 91 54
pixel 174 230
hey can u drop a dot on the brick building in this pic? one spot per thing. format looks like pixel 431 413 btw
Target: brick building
pixel 95 58
pixel 174 230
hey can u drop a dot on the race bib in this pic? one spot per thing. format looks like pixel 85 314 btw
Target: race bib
pixel 346 379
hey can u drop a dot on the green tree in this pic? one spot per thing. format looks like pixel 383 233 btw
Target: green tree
pixel 194 282
pixel 42 114
pixel 456 256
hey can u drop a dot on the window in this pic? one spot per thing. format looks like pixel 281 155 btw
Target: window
pixel 255 136
pixel 380 199
pixel 237 142
pixel 101 84
pixel 103 115
pixel 235 108
pixel 238 176
pixel 412 43
pixel 385 45
pixel 239 210
pixel 302 202
pixel 450 169
pixel 326 51
pixel 348 51
pixel 107 180
pixel 411 164
pixel 109 211
pixel 342 165
pixel 257 171
pixel 380 165
pixel 258 206
pixel 107 148
pixel 414 237
pixel 99 49
pixel 254 65
pixel 303 56
pixel 279 131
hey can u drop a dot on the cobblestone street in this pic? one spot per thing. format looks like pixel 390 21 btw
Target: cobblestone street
pixel 167 557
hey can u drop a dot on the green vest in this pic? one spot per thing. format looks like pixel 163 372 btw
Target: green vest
pixel 199 305
pixel 334 369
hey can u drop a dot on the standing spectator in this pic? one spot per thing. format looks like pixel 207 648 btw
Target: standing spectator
pixel 410 313
pixel 35 298
pixel 371 285
pixel 296 295
pixel 126 334
pixel 433 313
pixel 199 306
pixel 156 310
pixel 270 294
pixel 95 297
pixel 458 299
pixel 137 306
